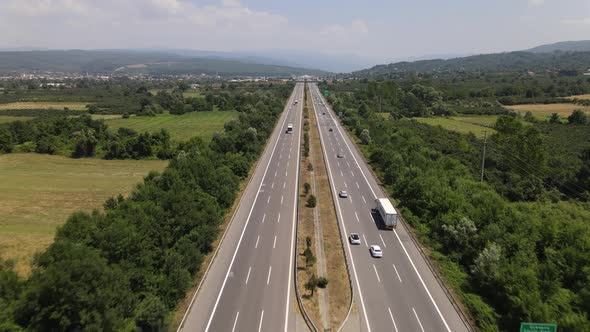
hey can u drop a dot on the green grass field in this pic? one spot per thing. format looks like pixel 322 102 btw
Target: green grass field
pixel 43 105
pixel 543 111
pixel 8 118
pixel 464 125
pixel 39 192
pixel 181 127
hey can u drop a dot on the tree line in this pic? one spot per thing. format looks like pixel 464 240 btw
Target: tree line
pixel 127 268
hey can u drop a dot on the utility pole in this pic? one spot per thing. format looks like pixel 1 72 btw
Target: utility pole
pixel 483 159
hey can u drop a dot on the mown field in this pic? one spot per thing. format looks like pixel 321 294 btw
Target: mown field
pixel 42 105
pixel 38 193
pixel 579 97
pixel 9 118
pixel 181 127
pixel 463 124
pixel 544 111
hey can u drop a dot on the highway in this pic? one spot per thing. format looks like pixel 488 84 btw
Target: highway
pixel 397 292
pixel 249 285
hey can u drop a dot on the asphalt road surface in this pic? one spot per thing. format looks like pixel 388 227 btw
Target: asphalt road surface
pixel 397 292
pixel 249 286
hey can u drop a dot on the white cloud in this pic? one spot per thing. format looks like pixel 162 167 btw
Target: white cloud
pixel 578 21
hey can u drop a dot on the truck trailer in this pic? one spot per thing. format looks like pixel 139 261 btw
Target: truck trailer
pixel 387 212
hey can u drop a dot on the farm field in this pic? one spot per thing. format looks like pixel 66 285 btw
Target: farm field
pixel 75 106
pixel 545 110
pixel 579 97
pixel 479 120
pixel 8 118
pixel 181 127
pixel 39 192
pixel 460 124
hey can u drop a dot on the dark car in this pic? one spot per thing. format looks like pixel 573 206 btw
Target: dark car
pixel 331 130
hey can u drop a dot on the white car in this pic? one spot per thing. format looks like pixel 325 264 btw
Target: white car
pixel 355 238
pixel 340 155
pixel 343 194
pixel 376 251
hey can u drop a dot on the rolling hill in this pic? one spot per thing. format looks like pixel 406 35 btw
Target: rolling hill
pixel 511 61
pixel 565 46
pixel 130 61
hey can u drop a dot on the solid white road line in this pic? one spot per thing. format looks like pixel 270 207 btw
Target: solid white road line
pixel 257 239
pixel 400 278
pixel 263 217
pixel 364 238
pixel 357 216
pixel 384 245
pixel 269 272
pixel 392 320
pixel 274 242
pixel 248 276
pixel 377 274
pixel 418 319
pixel 235 322
pixel 261 318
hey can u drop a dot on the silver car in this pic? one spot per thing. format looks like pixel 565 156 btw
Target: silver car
pixel 343 194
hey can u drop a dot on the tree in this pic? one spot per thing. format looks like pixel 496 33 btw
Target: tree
pixel 310 258
pixel 554 118
pixel 578 117
pixel 322 282
pixel 306 188
pixel 150 314
pixel 365 137
pixel 311 284
pixel 311 201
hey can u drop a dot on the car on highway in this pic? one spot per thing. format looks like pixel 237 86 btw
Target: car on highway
pixel 354 238
pixel 340 155
pixel 376 251
pixel 323 113
pixel 330 130
pixel 343 194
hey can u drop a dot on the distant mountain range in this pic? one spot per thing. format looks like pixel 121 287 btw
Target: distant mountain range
pixel 558 56
pixel 143 61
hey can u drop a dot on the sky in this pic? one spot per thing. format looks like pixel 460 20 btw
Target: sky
pixel 382 30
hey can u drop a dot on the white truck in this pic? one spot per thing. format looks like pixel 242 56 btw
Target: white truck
pixel 387 212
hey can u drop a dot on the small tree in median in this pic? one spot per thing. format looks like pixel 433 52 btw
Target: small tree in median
pixel 311 201
pixel 306 188
pixel 311 284
pixel 322 282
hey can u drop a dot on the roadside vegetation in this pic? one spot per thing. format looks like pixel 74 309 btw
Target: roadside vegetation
pixel 513 247
pixel 127 268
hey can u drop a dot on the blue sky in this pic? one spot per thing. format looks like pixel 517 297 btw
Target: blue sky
pixel 376 29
